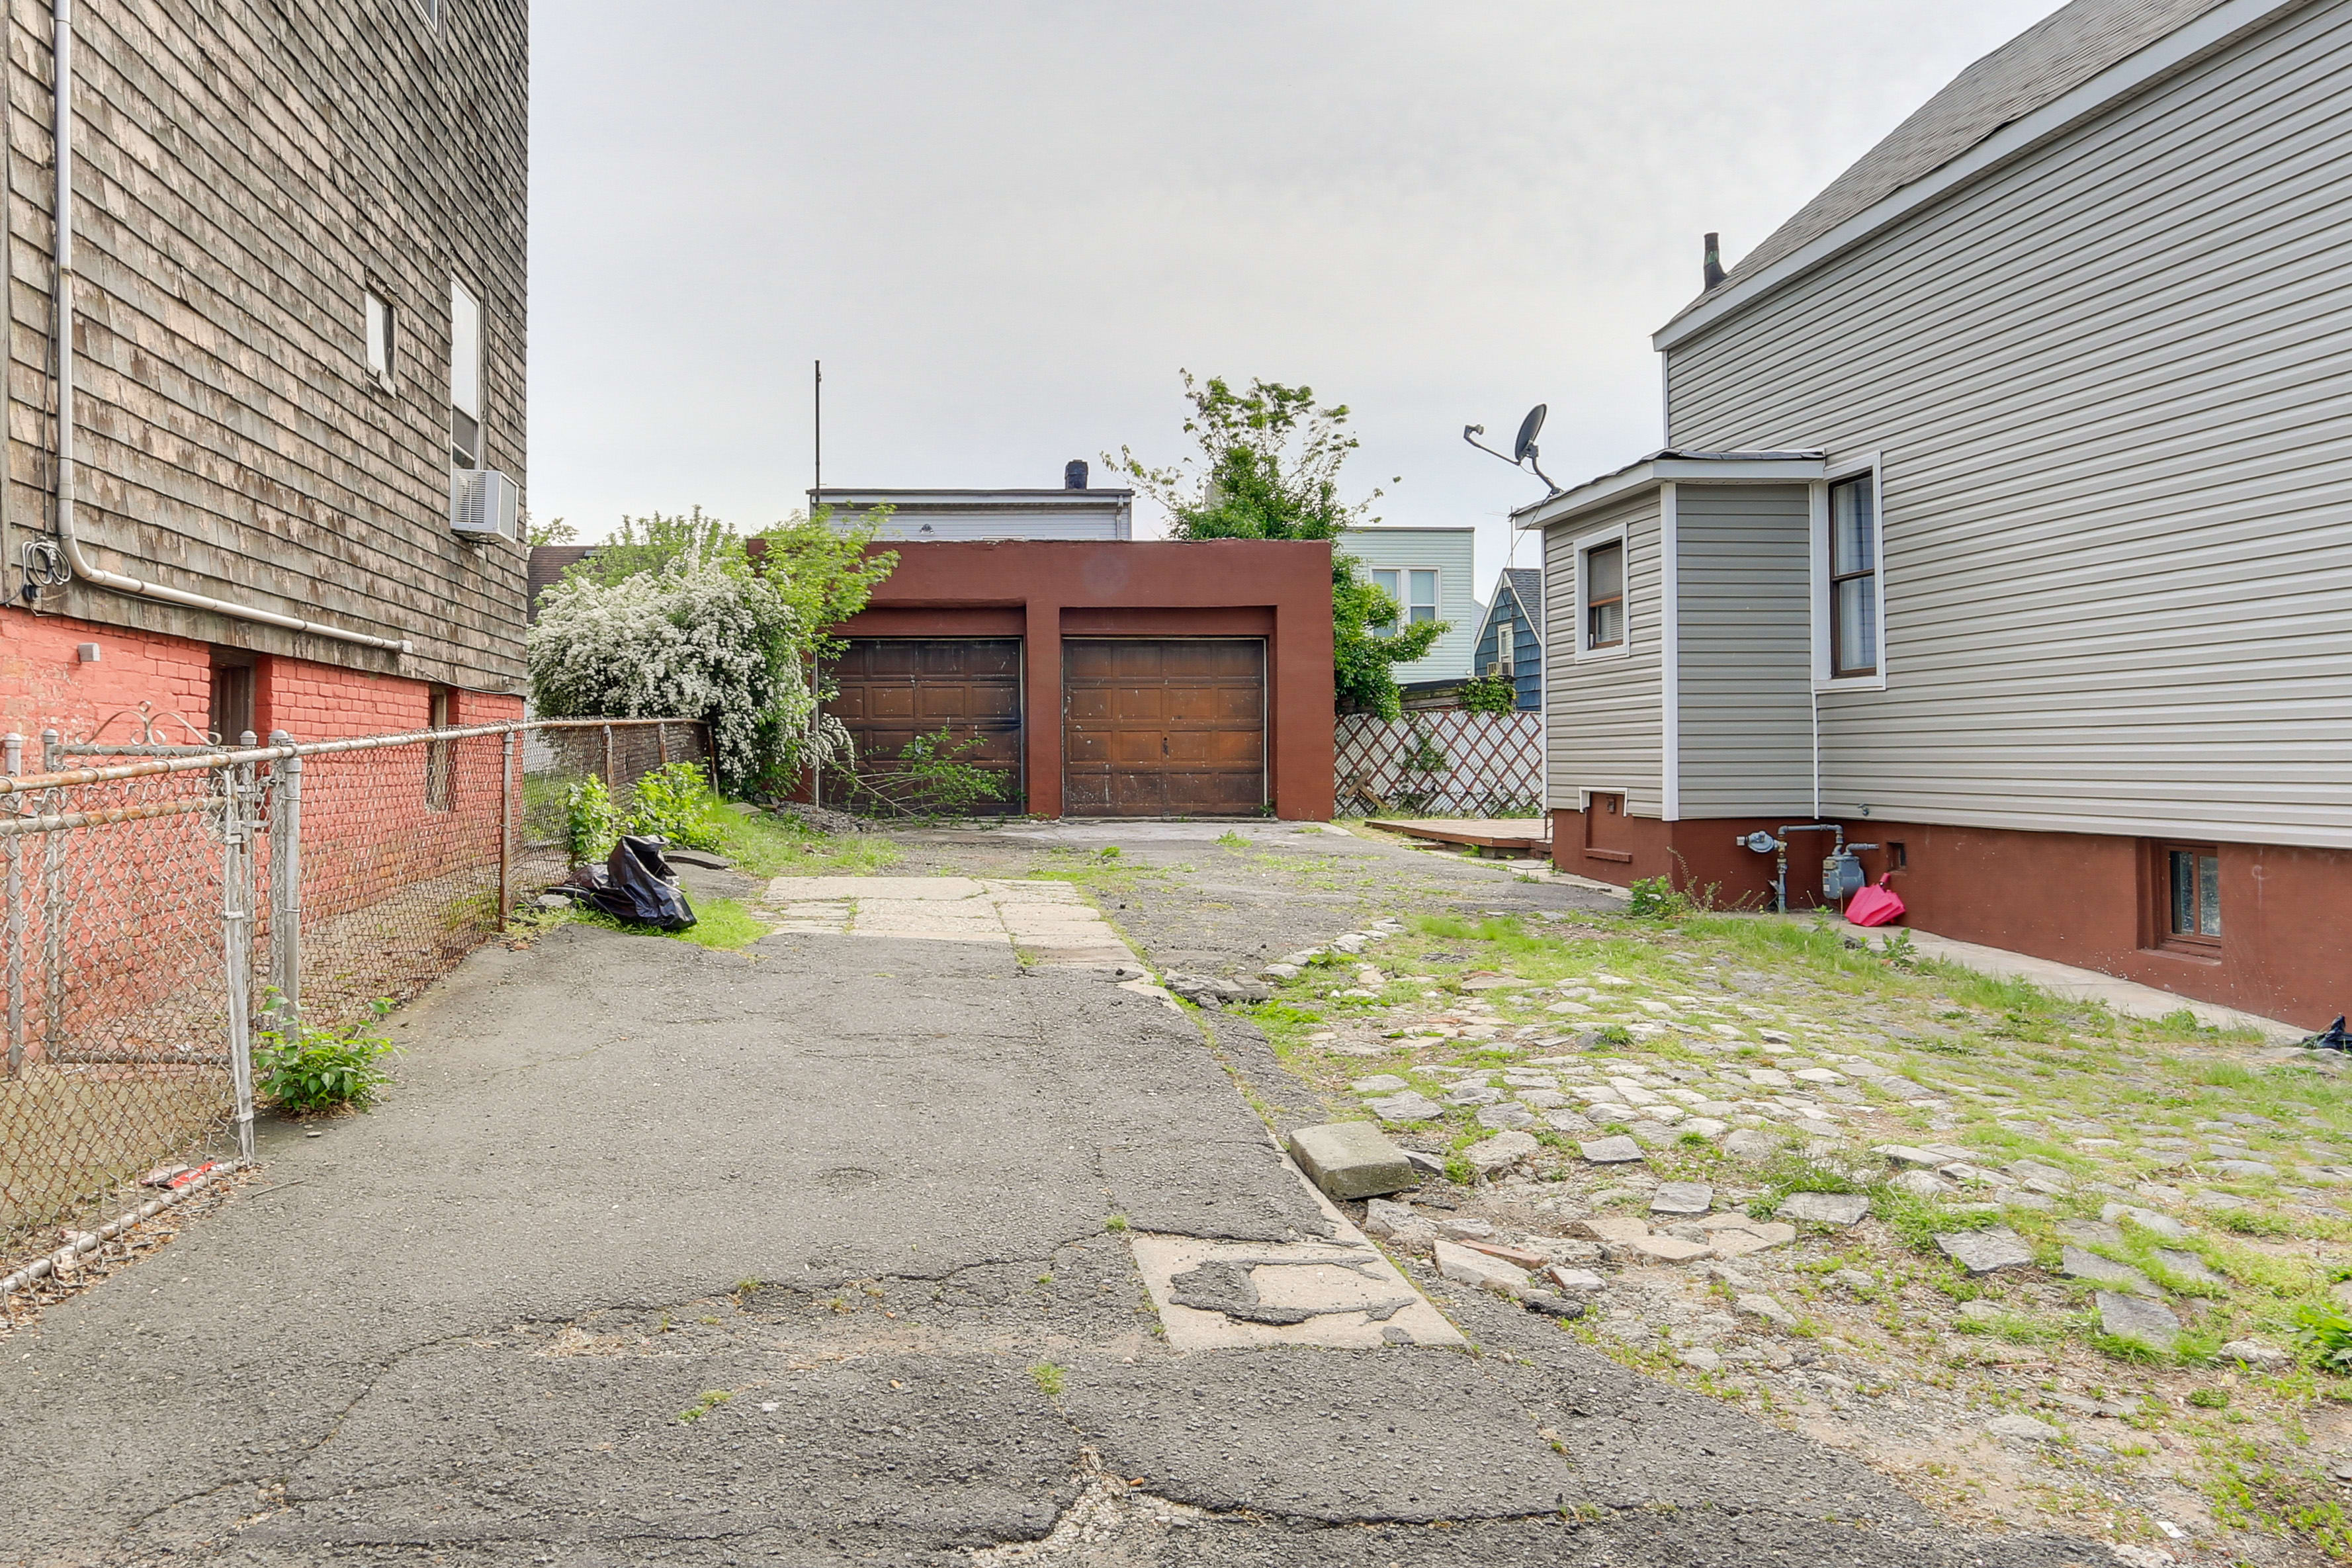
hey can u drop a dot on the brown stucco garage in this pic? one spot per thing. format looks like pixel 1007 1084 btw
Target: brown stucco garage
pixel 1110 677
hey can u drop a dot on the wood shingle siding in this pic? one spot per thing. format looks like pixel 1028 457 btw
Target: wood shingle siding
pixel 2107 386
pixel 1605 728
pixel 245 171
pixel 1745 713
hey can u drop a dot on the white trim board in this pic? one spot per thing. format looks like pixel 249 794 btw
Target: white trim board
pixel 1670 696
pixel 2174 52
pixel 1746 469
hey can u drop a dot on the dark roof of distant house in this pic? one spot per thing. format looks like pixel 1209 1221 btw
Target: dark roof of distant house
pixel 1527 587
pixel 548 564
pixel 2038 67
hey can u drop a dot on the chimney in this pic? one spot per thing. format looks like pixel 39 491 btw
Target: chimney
pixel 1714 261
pixel 1074 475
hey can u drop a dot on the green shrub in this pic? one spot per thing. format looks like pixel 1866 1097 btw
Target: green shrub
pixel 1654 898
pixel 591 824
pixel 677 805
pixel 303 1070
pixel 2326 1333
pixel 1489 694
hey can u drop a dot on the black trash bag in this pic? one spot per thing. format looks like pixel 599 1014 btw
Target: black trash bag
pixel 2332 1038
pixel 635 885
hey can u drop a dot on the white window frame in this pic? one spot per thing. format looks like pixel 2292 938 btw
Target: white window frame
pixel 1580 547
pixel 466 368
pixel 1824 677
pixel 374 300
pixel 1403 595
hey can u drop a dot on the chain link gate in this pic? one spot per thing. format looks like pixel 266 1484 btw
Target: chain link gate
pixel 164 902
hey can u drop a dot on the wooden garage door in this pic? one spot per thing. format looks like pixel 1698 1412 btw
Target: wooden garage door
pixel 1164 727
pixel 895 688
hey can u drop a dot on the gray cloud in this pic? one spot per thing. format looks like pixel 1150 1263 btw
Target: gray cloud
pixel 1004 226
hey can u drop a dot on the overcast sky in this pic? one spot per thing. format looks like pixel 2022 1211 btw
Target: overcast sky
pixel 1004 226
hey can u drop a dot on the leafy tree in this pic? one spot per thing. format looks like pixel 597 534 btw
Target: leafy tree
pixel 1269 469
pixel 678 618
pixel 554 530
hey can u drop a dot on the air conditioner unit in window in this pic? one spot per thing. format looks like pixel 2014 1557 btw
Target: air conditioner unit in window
pixel 482 504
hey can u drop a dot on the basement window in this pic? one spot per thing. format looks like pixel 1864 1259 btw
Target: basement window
pixel 2190 885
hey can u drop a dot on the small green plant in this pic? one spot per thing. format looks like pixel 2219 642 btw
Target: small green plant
pixel 934 778
pixel 1898 949
pixel 592 824
pixel 1489 694
pixel 1050 1379
pixel 1614 1035
pixel 1116 1222
pixel 304 1071
pixel 1654 898
pixel 2209 1399
pixel 712 1398
pixel 1109 852
pixel 2326 1333
pixel 1232 840
pixel 678 804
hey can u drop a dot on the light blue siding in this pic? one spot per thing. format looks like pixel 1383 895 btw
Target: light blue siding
pixel 1450 552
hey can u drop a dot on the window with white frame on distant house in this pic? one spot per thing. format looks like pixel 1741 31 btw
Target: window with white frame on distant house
pixel 465 378
pixel 1414 588
pixel 1603 576
pixel 1853 576
pixel 1504 663
pixel 382 338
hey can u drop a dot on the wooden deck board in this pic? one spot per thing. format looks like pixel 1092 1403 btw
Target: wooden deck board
pixel 1520 835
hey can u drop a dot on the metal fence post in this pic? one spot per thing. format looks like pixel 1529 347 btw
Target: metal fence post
pixel 286 886
pixel 236 940
pixel 508 745
pixel 52 909
pixel 14 754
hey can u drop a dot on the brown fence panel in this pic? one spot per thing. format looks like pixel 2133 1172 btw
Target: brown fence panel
pixel 1447 763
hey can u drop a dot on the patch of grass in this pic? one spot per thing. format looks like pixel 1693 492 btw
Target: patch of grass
pixel 2209 1399
pixel 1232 840
pixel 718 923
pixel 1049 1378
pixel 1116 1222
pixel 765 844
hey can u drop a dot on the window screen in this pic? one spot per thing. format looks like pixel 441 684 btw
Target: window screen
pixel 1854 577
pixel 1604 595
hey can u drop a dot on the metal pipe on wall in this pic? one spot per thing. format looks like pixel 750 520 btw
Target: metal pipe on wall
pixel 62 276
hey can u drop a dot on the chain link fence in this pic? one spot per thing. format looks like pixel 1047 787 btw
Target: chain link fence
pixel 1447 763
pixel 162 903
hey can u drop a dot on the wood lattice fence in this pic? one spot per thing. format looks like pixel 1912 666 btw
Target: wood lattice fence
pixel 1448 763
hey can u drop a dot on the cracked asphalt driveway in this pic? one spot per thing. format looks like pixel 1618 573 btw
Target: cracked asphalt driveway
pixel 810 1254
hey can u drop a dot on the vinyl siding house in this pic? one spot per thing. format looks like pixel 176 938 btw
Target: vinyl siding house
pixel 1431 573
pixel 1074 511
pixel 1510 635
pixel 2005 520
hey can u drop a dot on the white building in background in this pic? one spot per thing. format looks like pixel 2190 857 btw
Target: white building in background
pixel 1431 572
pixel 1074 511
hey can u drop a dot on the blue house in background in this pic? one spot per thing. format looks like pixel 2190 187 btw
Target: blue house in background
pixel 1510 639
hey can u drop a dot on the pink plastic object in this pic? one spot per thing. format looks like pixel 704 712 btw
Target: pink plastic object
pixel 1875 906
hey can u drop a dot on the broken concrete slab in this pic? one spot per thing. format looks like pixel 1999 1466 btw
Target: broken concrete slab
pixel 1517 1257
pixel 1756 1236
pixel 1983 1251
pixel 1758 1305
pixel 1668 1248
pixel 1905 1154
pixel 2078 1264
pixel 1501 1150
pixel 2150 1323
pixel 2025 1428
pixel 2147 1219
pixel 2188 1265
pixel 1839 1209
pixel 1612 1227
pixel 1352 1160
pixel 1682 1197
pixel 1751 1144
pixel 1467 1266
pixel 1609 1151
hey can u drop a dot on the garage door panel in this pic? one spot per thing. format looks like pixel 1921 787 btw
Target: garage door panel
pixel 1156 726
pixel 894 689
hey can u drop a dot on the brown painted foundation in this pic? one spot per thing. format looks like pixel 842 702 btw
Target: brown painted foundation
pixel 2093 900
pixel 1041 591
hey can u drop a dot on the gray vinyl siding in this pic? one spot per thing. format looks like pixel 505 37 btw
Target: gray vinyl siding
pixel 2108 387
pixel 1605 725
pixel 1744 592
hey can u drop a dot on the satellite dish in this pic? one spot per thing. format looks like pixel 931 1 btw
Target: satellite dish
pixel 1528 427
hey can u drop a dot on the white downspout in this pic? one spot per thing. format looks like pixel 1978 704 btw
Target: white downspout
pixel 62 50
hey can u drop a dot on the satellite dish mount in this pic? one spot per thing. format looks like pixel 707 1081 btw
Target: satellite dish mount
pixel 1523 454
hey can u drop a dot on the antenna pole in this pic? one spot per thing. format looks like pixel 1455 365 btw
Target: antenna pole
pixel 820 428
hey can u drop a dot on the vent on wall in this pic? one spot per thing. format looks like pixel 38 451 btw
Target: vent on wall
pixel 482 504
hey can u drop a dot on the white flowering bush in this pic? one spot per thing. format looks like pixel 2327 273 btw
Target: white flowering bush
pixel 697 638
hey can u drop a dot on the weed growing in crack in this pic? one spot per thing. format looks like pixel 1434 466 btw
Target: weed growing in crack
pixel 712 1398
pixel 1050 1379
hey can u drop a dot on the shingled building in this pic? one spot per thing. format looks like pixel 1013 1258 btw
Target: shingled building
pixel 284 491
